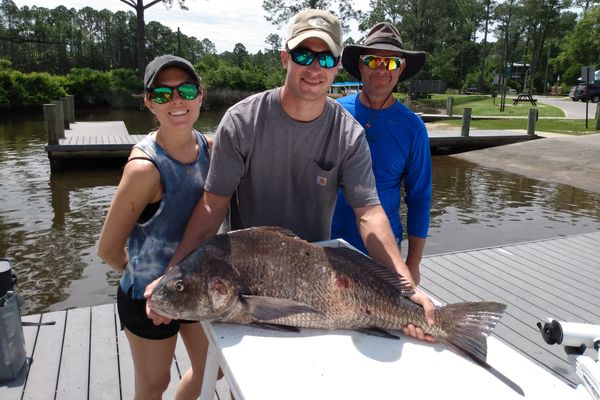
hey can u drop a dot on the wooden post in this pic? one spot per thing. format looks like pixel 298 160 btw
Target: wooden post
pixel 450 105
pixel 50 119
pixel 466 122
pixel 71 108
pixel 65 106
pixel 60 125
pixel 598 117
pixel 531 121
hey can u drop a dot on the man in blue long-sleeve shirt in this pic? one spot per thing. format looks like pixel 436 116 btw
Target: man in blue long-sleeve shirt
pixel 397 140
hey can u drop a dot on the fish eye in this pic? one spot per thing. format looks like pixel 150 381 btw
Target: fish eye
pixel 179 286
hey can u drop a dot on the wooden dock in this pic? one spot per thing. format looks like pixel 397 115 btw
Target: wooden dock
pixel 86 356
pixel 554 278
pixel 92 144
pixel 98 144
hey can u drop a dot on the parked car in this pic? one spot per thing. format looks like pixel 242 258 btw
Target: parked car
pixel 471 90
pixel 585 92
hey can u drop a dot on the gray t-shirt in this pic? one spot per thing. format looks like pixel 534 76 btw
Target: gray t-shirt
pixel 287 172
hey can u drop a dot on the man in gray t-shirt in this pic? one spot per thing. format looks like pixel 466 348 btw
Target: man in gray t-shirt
pixel 287 150
pixel 287 172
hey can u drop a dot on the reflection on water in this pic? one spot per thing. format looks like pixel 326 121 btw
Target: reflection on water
pixel 474 207
pixel 49 223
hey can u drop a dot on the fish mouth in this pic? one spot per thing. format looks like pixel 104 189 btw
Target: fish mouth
pixel 157 309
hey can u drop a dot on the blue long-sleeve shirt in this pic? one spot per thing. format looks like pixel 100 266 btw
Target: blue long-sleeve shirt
pixel 400 153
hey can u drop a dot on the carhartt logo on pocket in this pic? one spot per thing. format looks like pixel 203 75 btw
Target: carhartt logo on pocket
pixel 321 180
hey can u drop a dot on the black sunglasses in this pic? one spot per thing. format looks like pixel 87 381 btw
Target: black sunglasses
pixel 164 94
pixel 305 57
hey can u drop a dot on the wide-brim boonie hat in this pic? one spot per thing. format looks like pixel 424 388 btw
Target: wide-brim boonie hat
pixel 167 60
pixel 383 36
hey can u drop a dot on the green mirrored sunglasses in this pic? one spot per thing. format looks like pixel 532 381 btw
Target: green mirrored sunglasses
pixel 164 94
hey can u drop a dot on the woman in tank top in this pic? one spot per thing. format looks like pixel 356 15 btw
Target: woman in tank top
pixel 162 181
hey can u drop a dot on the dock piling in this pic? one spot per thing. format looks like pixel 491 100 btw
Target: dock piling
pixel 51 123
pixel 450 105
pixel 71 102
pixel 533 114
pixel 65 107
pixel 466 122
pixel 59 120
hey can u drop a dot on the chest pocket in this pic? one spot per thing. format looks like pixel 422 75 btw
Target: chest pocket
pixel 321 183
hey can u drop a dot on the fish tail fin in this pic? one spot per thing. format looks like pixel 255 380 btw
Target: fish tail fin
pixel 467 326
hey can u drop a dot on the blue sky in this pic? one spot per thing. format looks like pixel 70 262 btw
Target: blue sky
pixel 224 22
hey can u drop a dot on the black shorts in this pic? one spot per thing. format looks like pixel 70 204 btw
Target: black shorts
pixel 132 314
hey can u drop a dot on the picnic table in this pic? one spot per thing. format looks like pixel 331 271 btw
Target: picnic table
pixel 525 97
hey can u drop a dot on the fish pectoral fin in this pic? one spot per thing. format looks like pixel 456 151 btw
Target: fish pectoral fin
pixel 264 308
pixel 374 331
pixel 273 327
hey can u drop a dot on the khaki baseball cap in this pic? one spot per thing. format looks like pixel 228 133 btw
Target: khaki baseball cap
pixel 319 24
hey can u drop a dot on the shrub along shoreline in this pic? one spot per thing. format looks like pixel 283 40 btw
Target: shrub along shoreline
pixel 119 88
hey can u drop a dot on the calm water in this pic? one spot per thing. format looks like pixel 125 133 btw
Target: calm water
pixel 49 223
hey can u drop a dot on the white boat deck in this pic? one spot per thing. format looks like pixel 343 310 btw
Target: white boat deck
pixel 86 356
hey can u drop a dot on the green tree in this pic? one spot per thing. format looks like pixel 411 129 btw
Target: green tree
pixel 586 4
pixel 580 47
pixel 140 35
pixel 240 55
pixel 273 42
pixel 445 30
pixel 279 12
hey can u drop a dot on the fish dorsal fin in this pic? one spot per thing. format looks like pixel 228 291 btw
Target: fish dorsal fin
pixel 277 229
pixel 390 276
pixel 264 308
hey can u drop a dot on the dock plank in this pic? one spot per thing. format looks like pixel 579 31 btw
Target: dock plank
pixel 523 270
pixel 126 374
pixel 181 357
pixel 45 365
pixel 14 390
pixel 104 364
pixel 559 265
pixel 73 377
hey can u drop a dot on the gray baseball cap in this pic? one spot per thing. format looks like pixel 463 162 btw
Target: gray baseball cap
pixel 167 60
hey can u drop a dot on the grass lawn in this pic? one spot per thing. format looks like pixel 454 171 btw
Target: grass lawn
pixel 565 126
pixel 484 106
